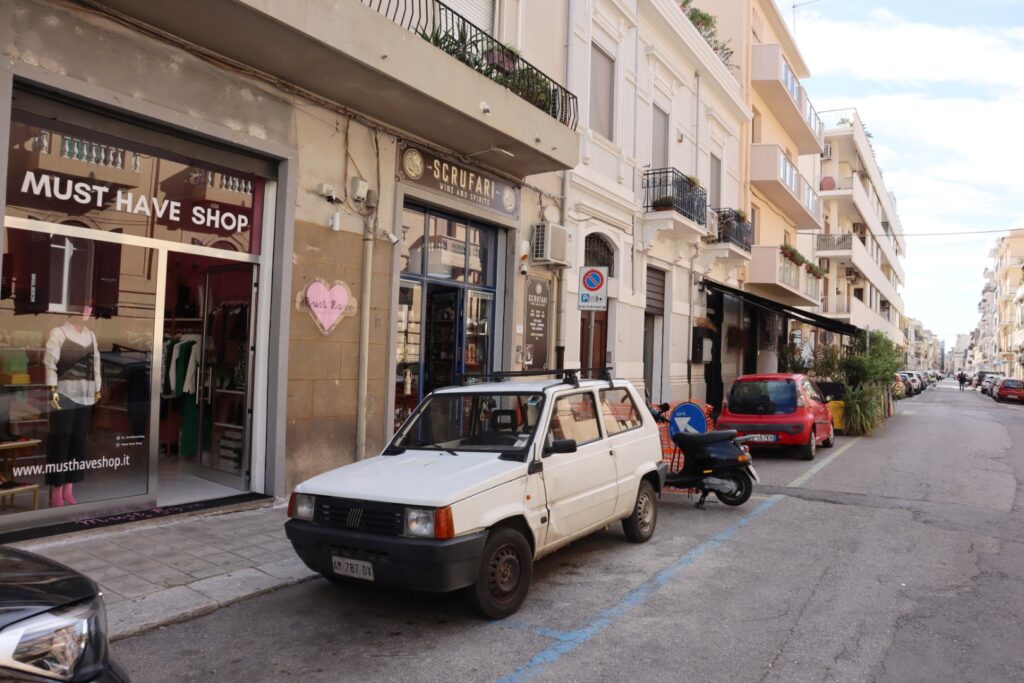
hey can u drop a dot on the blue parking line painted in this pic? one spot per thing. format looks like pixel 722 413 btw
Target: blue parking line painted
pixel 567 641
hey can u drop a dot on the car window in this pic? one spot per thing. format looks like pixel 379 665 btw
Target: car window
pixel 763 397
pixel 618 411
pixel 812 391
pixel 575 417
pixel 1013 384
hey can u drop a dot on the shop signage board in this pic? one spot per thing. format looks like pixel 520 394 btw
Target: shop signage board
pixel 593 288
pixel 421 166
pixel 688 418
pixel 535 346
pixel 327 303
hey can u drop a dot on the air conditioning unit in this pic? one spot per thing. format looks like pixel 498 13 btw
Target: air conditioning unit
pixel 852 274
pixel 549 245
pixel 827 152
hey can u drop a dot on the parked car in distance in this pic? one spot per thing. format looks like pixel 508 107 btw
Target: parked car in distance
pixel 1009 390
pixel 458 499
pixel 991 379
pixel 53 623
pixel 779 410
pixel 914 381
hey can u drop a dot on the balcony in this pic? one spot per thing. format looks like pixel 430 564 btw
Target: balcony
pixel 673 201
pixel 855 203
pixel 74 157
pixel 773 79
pixel 775 277
pixel 777 177
pixel 855 312
pixel 416 65
pixel 731 236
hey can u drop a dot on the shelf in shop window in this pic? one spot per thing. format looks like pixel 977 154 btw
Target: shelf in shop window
pixel 228 425
pixel 30 385
pixel 240 392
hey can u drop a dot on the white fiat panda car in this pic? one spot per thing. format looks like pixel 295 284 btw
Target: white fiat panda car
pixel 481 481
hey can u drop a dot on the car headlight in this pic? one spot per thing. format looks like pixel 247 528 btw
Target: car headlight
pixel 301 506
pixel 419 522
pixel 58 644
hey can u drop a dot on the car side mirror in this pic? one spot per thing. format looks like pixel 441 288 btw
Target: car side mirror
pixel 560 446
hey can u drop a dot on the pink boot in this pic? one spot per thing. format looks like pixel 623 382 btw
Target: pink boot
pixel 68 498
pixel 56 497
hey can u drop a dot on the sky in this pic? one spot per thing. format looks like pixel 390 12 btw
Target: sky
pixel 940 86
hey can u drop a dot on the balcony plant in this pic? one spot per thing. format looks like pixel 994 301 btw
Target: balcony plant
pixel 814 270
pixel 663 203
pixel 790 252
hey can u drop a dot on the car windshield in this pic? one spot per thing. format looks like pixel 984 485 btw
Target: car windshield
pixel 472 421
pixel 763 397
pixel 1013 384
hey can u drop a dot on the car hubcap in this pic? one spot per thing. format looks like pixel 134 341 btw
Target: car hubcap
pixel 645 512
pixel 503 572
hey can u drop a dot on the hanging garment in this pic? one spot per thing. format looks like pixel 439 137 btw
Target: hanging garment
pixel 179 365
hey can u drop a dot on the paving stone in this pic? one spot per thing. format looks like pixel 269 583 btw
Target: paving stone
pixel 171 604
pixel 235 585
pixel 131 586
pixel 287 570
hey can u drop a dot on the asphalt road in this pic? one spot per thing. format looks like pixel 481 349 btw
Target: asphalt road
pixel 901 558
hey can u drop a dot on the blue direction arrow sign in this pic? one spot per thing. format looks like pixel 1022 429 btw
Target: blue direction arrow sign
pixel 688 418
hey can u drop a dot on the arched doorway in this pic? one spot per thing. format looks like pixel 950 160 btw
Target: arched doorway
pixel 597 251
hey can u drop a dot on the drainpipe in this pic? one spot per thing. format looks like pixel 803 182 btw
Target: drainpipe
pixel 564 212
pixel 696 145
pixel 689 343
pixel 364 337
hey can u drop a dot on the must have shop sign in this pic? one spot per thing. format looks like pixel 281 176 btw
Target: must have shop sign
pixel 327 303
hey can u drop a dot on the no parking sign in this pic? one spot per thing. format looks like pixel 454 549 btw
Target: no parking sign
pixel 593 288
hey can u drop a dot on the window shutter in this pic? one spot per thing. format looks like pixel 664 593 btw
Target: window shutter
pixel 479 12
pixel 655 291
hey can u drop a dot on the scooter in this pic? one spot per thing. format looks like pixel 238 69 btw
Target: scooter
pixel 715 462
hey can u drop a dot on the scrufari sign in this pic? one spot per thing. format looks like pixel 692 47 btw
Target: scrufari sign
pixel 423 167
pixel 93 195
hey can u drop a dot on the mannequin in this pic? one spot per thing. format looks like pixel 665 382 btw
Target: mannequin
pixel 72 362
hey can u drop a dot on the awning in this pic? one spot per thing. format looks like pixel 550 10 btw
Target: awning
pixel 790 312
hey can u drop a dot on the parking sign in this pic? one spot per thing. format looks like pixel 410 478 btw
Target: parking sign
pixel 593 288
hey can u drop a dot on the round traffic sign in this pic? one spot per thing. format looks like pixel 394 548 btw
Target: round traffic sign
pixel 593 280
pixel 688 418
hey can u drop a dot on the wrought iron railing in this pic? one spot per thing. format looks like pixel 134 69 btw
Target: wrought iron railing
pixel 734 228
pixel 835 242
pixel 667 188
pixel 447 30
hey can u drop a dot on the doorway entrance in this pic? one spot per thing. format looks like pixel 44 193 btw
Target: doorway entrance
pixel 205 396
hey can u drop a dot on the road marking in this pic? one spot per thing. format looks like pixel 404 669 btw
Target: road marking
pixel 906 412
pixel 802 479
pixel 567 641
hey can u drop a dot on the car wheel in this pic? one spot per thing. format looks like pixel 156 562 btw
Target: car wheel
pixel 808 450
pixel 503 579
pixel 744 487
pixel 639 526
pixel 831 440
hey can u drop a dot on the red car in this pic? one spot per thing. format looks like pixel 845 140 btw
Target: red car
pixel 781 410
pixel 1010 390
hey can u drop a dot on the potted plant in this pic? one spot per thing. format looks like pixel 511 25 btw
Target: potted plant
pixel 663 203
pixel 501 58
pixel 740 214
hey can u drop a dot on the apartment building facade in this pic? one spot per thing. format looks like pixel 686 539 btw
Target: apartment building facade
pixel 657 199
pixel 861 243
pixel 277 225
pixel 997 343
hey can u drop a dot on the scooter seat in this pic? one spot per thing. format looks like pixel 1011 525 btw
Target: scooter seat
pixel 688 440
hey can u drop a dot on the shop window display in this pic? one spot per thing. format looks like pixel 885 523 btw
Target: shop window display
pixel 76 321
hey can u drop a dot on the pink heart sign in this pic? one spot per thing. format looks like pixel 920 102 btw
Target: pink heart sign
pixel 327 304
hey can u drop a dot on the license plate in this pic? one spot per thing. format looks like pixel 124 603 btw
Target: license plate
pixel 753 473
pixel 763 437
pixel 357 569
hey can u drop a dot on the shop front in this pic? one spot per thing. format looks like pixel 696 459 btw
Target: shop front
pixel 452 266
pixel 133 328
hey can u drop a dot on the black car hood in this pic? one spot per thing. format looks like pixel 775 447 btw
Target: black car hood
pixel 30 585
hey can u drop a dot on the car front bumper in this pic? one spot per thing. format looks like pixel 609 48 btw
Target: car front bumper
pixel 417 564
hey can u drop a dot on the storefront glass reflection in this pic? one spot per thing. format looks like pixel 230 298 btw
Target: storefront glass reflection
pixel 76 342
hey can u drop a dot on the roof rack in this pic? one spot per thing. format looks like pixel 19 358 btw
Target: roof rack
pixel 568 375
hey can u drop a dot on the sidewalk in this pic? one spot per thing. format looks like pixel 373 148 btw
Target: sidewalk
pixel 176 569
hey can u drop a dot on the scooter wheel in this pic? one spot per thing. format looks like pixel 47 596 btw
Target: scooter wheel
pixel 744 487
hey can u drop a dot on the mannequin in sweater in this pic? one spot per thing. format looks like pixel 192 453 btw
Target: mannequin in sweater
pixel 72 362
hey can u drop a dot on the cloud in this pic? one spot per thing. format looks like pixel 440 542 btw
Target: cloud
pixel 888 48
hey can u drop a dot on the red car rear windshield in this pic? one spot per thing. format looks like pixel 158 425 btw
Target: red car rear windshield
pixel 763 397
pixel 1012 384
